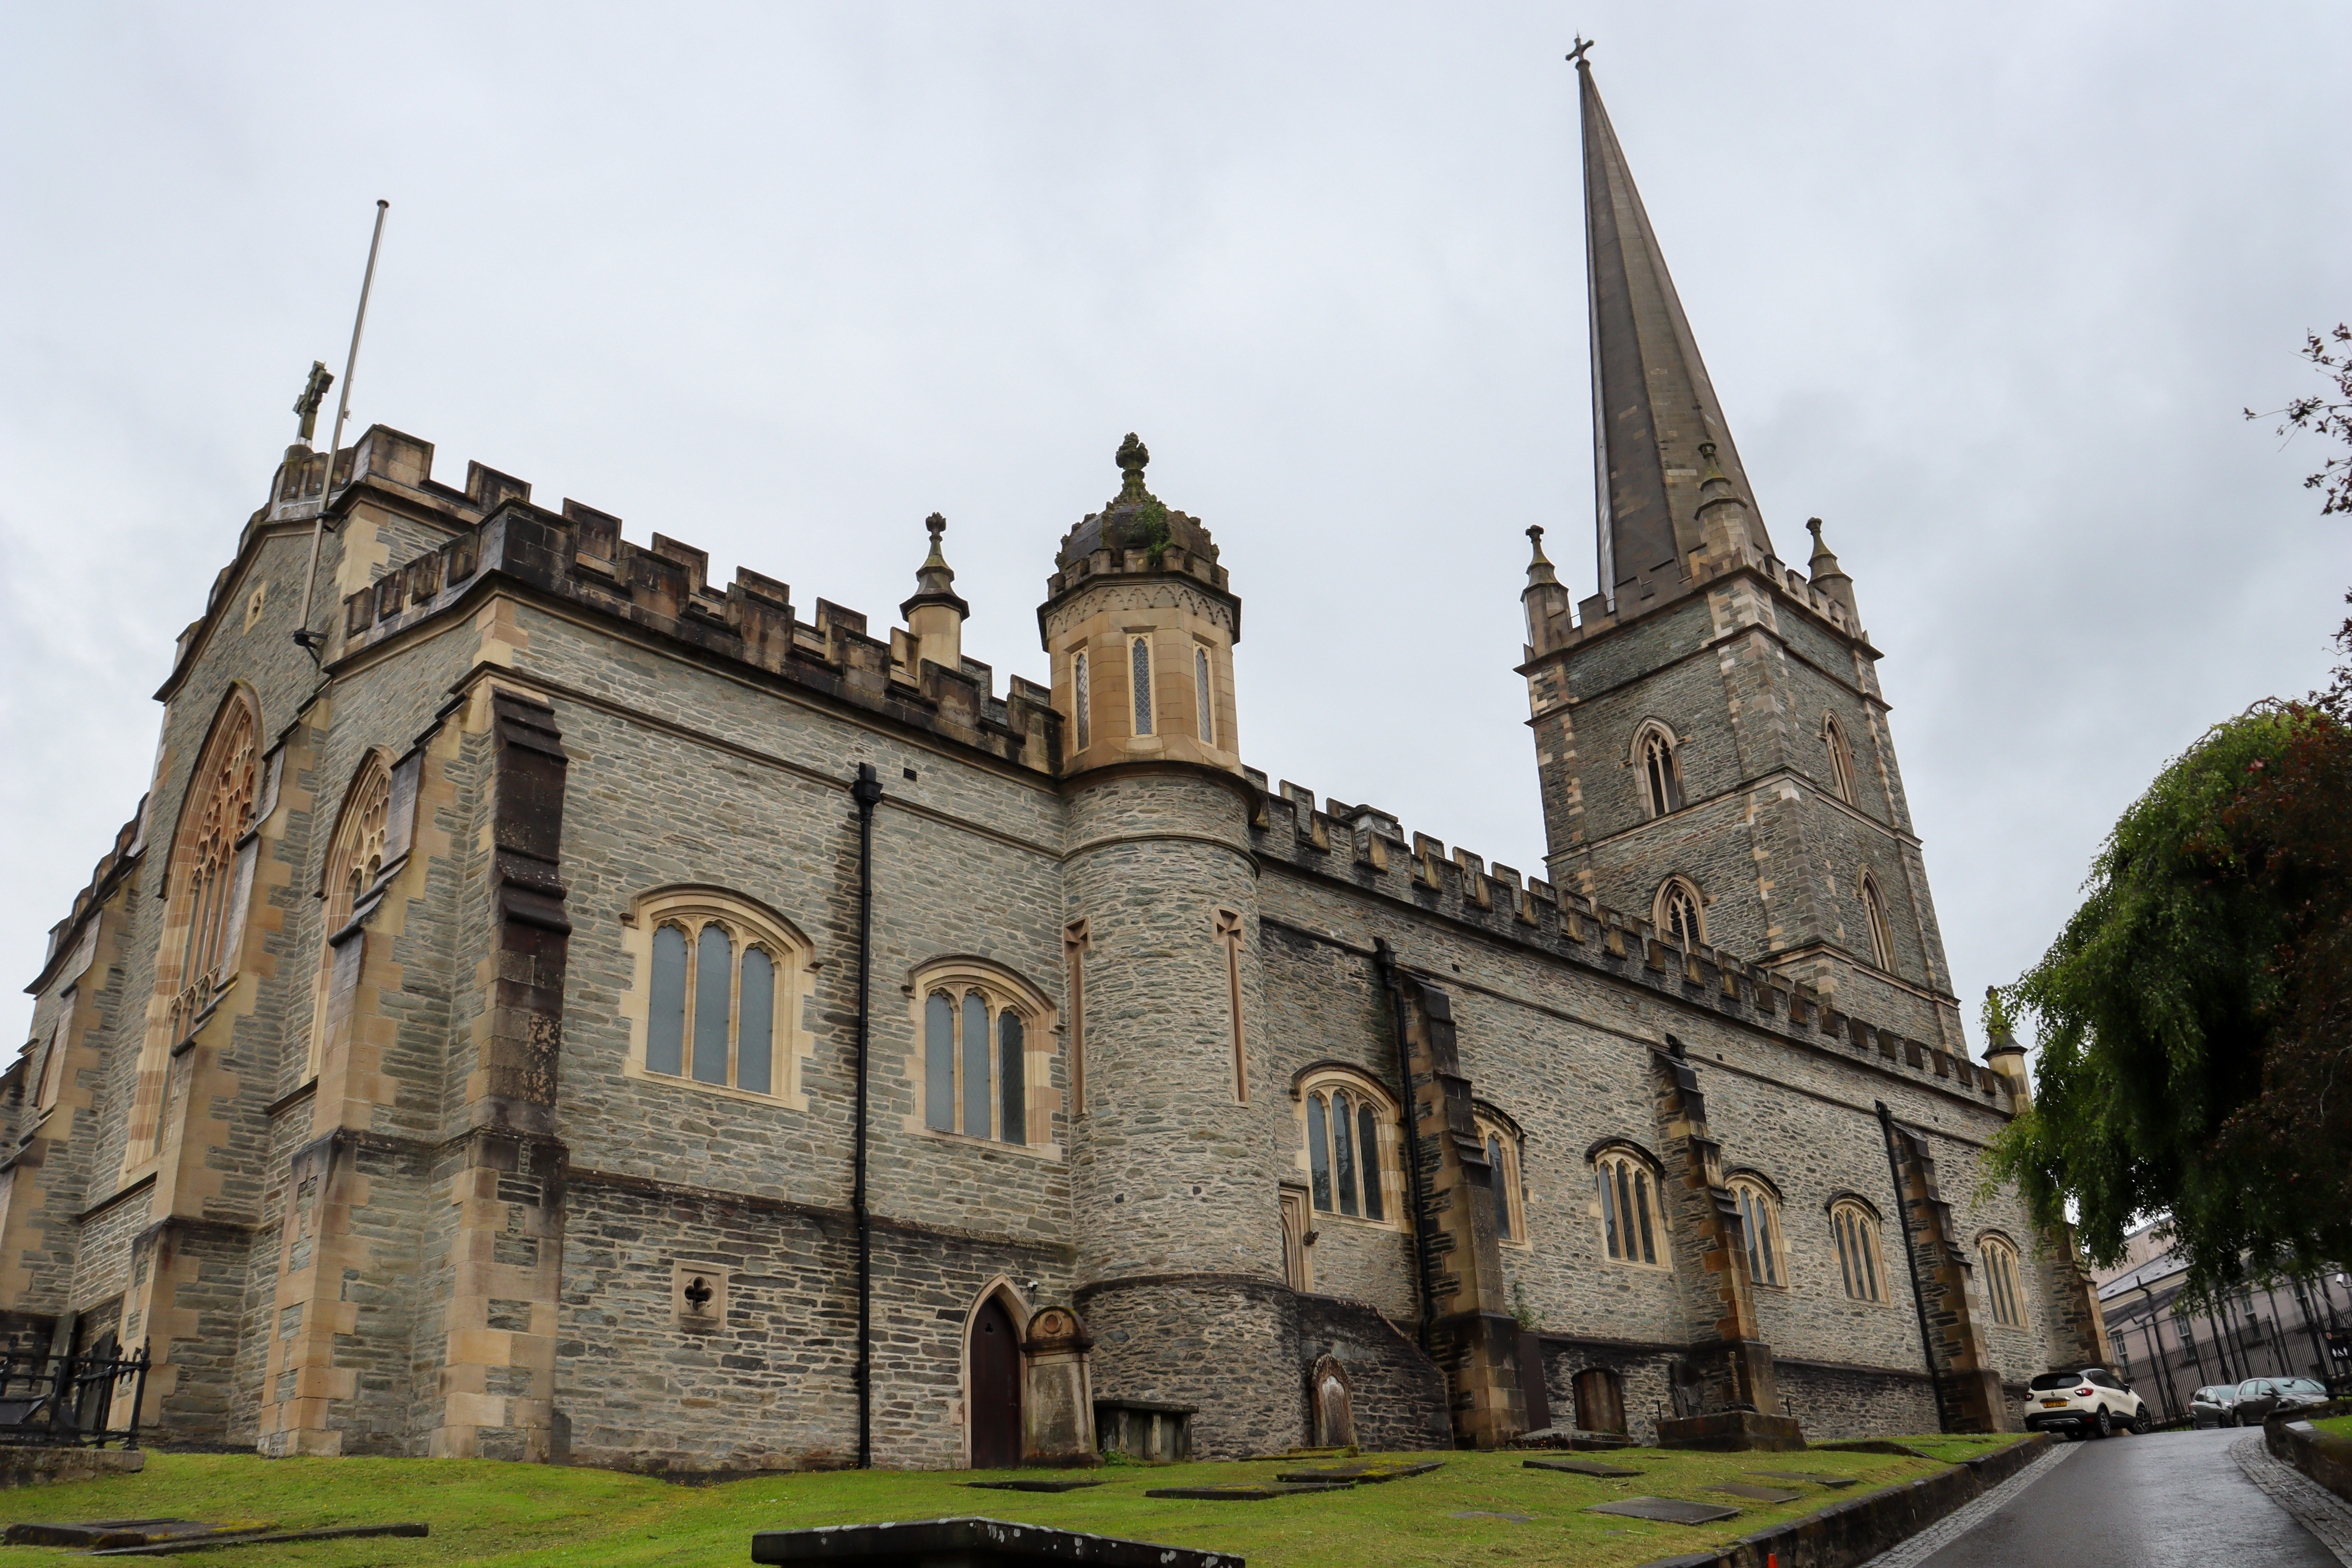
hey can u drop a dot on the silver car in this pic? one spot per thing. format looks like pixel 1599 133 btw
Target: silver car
pixel 2210 1405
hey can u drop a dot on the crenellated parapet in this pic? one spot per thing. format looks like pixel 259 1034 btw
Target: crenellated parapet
pixel 1368 849
pixel 579 557
pixel 1551 628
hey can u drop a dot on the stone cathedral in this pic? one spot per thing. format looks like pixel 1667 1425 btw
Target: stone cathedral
pixel 555 1007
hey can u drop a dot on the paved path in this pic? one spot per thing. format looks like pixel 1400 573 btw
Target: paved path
pixel 2174 1500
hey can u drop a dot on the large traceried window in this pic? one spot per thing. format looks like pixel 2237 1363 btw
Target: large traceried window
pixel 1082 699
pixel 1633 1221
pixel 724 980
pixel 1677 913
pixel 1759 1225
pixel 1662 783
pixel 1139 678
pixel 1205 697
pixel 1999 1260
pixel 1873 917
pixel 354 860
pixel 1840 759
pixel 1351 1147
pixel 1862 1267
pixel 979 1033
pixel 203 865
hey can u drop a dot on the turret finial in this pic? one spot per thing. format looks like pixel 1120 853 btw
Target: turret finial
pixel 1539 568
pixel 1133 457
pixel 935 576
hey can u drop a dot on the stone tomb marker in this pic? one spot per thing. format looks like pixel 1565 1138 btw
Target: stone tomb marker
pixel 1248 1493
pixel 971 1543
pixel 1665 1509
pixel 1833 1483
pixel 1371 1472
pixel 1062 1485
pixel 1579 1467
pixel 1756 1494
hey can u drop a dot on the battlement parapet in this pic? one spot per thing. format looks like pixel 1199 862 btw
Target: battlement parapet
pixel 1368 847
pixel 1553 628
pixel 664 587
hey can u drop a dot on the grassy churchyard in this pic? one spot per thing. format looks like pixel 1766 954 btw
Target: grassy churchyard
pixel 1476 1509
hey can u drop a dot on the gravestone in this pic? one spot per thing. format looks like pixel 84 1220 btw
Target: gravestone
pixel 1238 1493
pixel 1833 1483
pixel 1371 1472
pixel 971 1543
pixel 1756 1494
pixel 1058 1418
pixel 1579 1467
pixel 1331 1402
pixel 1665 1509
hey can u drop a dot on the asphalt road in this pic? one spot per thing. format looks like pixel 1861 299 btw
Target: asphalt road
pixel 2172 1497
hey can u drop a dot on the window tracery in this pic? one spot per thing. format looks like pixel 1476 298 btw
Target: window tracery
pixel 1760 1224
pixel 1677 914
pixel 1509 1194
pixel 1861 1261
pixel 1632 1218
pixel 1999 1260
pixel 1654 754
pixel 1874 915
pixel 1840 759
pixel 724 978
pixel 978 1036
pixel 1351 1147
pixel 354 860
pixel 204 865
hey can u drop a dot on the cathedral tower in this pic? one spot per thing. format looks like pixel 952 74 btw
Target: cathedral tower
pixel 1175 1120
pixel 1710 733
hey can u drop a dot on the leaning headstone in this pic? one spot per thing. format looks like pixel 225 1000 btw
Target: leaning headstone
pixel 1665 1510
pixel 1331 1401
pixel 1756 1494
pixel 1578 1467
pixel 981 1543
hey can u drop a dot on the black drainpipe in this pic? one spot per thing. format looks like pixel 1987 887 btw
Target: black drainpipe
pixel 1911 1263
pixel 1384 956
pixel 867 792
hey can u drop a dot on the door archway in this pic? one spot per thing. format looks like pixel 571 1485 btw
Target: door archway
pixel 993 1387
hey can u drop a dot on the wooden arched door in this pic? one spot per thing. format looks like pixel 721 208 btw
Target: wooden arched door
pixel 992 1389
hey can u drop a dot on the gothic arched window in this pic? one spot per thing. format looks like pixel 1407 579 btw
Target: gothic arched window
pixel 203 863
pixel 980 1031
pixel 1631 1218
pixel 1999 1260
pixel 1677 913
pixel 1349 1147
pixel 1860 1263
pixel 1139 652
pixel 1874 915
pixel 1502 1143
pixel 1662 782
pixel 1759 1221
pixel 1840 759
pixel 354 860
pixel 1203 696
pixel 1082 700
pixel 725 977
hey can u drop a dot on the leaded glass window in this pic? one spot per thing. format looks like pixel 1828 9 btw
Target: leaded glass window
pixel 1347 1159
pixel 975 1065
pixel 712 1007
pixel 1629 1221
pixel 1205 697
pixel 1140 654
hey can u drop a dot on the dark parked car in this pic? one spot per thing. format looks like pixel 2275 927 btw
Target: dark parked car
pixel 2261 1396
pixel 2210 1405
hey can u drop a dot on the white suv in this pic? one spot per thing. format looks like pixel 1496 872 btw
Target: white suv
pixel 2092 1402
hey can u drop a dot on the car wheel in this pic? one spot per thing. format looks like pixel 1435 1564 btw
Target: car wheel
pixel 2141 1423
pixel 2104 1423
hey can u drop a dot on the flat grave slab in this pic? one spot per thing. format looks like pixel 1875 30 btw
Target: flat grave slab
pixel 1059 1484
pixel 1247 1493
pixel 97 1533
pixel 1505 1518
pixel 1579 1467
pixel 1833 1483
pixel 1665 1509
pixel 1756 1494
pixel 1371 1472
pixel 974 1543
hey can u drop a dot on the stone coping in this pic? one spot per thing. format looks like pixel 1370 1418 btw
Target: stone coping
pixel 2325 1456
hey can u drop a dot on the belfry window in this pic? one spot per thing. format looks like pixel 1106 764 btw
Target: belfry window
pixel 1629 1215
pixel 1082 700
pixel 1662 784
pixel 724 980
pixel 1677 914
pixel 1759 1223
pixel 1139 658
pixel 1840 759
pixel 1999 1260
pixel 1874 914
pixel 1861 1268
pixel 975 1065
pixel 1203 698
pixel 1351 1163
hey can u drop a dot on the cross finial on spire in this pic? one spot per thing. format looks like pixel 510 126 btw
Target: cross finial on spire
pixel 1576 55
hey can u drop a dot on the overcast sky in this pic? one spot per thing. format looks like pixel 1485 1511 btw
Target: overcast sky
pixel 1984 286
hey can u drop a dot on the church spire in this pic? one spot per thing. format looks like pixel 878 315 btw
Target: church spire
pixel 1652 406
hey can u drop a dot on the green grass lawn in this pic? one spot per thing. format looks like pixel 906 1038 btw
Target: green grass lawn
pixel 486 1513
pixel 2342 1424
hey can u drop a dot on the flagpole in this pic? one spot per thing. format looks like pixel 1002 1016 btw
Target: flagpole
pixel 303 634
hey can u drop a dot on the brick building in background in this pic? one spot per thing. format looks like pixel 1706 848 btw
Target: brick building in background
pixel 480 1042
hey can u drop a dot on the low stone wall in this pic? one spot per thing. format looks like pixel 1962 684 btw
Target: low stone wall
pixel 1852 1533
pixel 1397 1393
pixel 1830 1400
pixel 2325 1456
pixel 47 1466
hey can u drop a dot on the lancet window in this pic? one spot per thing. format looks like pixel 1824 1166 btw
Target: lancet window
pixel 2000 1262
pixel 1082 699
pixel 1662 783
pixel 1205 697
pixel 1140 664
pixel 1760 1224
pixel 354 860
pixel 1509 1196
pixel 1840 759
pixel 1874 915
pixel 976 1036
pixel 1350 1148
pixel 1861 1264
pixel 1631 1220
pixel 1677 913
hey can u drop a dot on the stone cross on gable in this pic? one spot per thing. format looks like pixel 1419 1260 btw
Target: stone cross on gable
pixel 314 391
